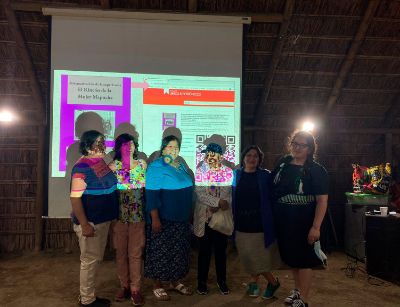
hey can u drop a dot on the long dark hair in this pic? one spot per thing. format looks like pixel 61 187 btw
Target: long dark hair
pixel 310 140
pixel 165 141
pixel 87 141
pixel 259 153
pixel 122 139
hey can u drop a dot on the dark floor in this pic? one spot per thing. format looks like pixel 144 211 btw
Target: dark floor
pixel 51 279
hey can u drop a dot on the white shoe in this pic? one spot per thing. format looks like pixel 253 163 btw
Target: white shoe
pixel 299 303
pixel 294 295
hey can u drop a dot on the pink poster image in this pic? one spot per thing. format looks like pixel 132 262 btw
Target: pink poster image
pixel 91 103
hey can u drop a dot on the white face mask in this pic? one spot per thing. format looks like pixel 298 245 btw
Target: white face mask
pixel 320 254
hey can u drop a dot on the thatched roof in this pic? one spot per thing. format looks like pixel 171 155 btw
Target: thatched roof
pixel 314 48
pixel 338 60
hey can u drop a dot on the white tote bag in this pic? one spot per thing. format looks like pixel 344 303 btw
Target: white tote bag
pixel 222 221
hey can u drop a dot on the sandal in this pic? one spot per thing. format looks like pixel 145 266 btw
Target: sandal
pixel 161 294
pixel 182 289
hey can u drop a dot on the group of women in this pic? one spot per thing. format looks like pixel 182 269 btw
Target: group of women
pixel 276 216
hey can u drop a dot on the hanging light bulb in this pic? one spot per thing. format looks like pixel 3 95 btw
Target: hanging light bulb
pixel 6 116
pixel 308 126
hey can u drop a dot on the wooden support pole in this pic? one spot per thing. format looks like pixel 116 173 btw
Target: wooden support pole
pixel 41 124
pixel 105 4
pixel 389 148
pixel 192 6
pixel 351 55
pixel 276 55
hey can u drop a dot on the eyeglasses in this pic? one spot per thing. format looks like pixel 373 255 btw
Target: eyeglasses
pixel 298 145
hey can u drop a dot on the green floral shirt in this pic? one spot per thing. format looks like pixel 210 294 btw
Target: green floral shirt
pixel 128 179
pixel 131 185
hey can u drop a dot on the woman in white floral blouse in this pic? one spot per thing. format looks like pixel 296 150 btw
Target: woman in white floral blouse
pixel 129 234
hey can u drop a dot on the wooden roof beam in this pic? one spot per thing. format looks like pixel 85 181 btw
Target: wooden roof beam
pixel 354 17
pixel 192 7
pixel 322 55
pixel 267 18
pixel 323 88
pixel 333 131
pixel 287 15
pixel 321 73
pixel 351 55
pixel 24 57
pixel 37 6
pixel 325 37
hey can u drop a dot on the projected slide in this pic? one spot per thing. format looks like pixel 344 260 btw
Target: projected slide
pixel 198 106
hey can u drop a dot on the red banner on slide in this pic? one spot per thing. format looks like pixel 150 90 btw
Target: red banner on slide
pixel 177 97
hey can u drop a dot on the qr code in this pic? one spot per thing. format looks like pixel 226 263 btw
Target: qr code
pixel 230 150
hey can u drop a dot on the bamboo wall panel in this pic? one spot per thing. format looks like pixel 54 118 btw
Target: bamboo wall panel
pixel 59 234
pixel 317 41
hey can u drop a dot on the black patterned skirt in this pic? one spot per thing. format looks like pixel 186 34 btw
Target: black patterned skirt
pixel 167 252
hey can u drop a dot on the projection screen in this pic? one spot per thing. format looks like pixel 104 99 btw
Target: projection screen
pixel 141 73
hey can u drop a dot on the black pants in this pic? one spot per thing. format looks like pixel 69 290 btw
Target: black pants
pixel 218 241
